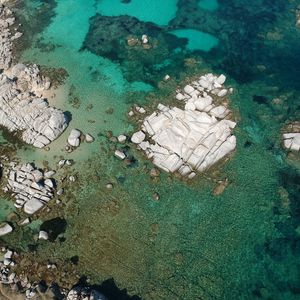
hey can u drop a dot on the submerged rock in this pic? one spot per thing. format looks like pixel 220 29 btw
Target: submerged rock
pixel 190 139
pixel 5 228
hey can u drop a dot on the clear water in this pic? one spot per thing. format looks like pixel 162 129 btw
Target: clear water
pixel 243 244
pixel 209 5
pixel 158 12
pixel 197 40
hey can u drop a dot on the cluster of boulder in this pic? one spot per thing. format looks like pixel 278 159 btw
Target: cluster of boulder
pixel 6 36
pixel 193 138
pixel 32 188
pixel 291 138
pixel 21 110
pixel 21 106
pixel 84 293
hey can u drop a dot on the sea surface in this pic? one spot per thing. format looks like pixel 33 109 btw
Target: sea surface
pixel 190 244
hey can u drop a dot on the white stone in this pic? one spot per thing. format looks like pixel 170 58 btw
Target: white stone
pixel 43 235
pixel 5 228
pixel 221 79
pixel 189 140
pixel 89 138
pixel 138 137
pixel 32 206
pixel 74 138
pixel 119 154
pixel 291 141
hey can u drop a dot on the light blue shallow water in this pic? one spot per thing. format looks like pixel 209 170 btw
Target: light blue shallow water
pixel 156 11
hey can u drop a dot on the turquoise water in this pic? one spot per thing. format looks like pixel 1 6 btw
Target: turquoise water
pixel 197 40
pixel 242 244
pixel 156 11
pixel 210 5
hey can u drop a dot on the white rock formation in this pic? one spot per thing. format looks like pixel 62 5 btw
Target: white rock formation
pixel 119 154
pixel 291 141
pixel 74 138
pixel 21 108
pixel 29 188
pixel 39 123
pixel 190 139
pixel 6 36
pixel 5 228
pixel 89 138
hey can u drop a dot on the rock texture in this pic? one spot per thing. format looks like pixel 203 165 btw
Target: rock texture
pixel 21 106
pixel 21 110
pixel 6 36
pixel 291 138
pixel 29 187
pixel 190 139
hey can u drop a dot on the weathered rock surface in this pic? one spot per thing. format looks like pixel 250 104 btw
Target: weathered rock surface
pixel 291 136
pixel 21 106
pixel 5 228
pixel 291 141
pixel 74 138
pixel 20 110
pixel 29 188
pixel 6 36
pixel 190 139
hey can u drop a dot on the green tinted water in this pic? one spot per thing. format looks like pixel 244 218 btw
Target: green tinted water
pixel 189 244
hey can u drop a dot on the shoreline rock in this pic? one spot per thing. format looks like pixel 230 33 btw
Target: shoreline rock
pixel 190 139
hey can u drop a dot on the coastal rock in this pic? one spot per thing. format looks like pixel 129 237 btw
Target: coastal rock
pixel 30 188
pixel 291 136
pixel 74 138
pixel 119 154
pixel 291 141
pixel 5 228
pixel 190 139
pixel 89 138
pixel 138 137
pixel 6 36
pixel 39 123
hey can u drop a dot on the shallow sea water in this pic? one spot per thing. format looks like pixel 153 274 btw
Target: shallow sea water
pixel 243 244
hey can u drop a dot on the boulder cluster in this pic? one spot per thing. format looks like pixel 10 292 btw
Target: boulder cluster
pixel 193 138
pixel 21 106
pixel 21 110
pixel 32 188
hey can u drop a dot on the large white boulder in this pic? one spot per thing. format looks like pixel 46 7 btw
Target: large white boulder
pixel 138 137
pixel 5 228
pixel 74 138
pixel 190 139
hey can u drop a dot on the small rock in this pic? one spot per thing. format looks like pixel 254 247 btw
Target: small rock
pixel 5 228
pixel 122 138
pixel 74 138
pixel 89 138
pixel 43 235
pixel 119 154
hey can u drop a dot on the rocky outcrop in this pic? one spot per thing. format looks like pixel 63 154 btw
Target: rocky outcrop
pixel 291 137
pixel 30 188
pixel 190 139
pixel 21 106
pixel 6 37
pixel 84 293
pixel 21 110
